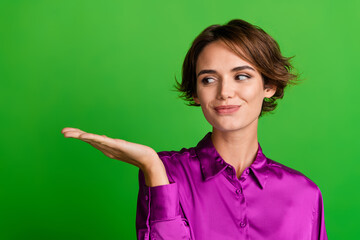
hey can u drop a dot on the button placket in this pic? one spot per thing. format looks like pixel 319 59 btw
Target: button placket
pixel 245 174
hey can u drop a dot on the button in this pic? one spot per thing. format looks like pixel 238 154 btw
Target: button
pixel 146 197
pixel 247 171
pixel 242 224
pixel 238 191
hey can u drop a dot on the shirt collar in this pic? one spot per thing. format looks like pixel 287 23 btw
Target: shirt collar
pixel 212 163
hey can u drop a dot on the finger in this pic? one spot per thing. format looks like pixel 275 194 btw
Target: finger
pixel 91 138
pixel 113 153
pixel 109 146
pixel 104 150
pixel 101 142
pixel 102 139
pixel 70 129
pixel 103 147
pixel 73 134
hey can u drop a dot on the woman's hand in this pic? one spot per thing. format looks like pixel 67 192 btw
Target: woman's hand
pixel 138 155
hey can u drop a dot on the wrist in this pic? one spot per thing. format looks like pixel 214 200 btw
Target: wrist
pixel 151 164
pixel 155 174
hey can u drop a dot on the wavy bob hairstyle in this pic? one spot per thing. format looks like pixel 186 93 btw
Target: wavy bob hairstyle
pixel 256 47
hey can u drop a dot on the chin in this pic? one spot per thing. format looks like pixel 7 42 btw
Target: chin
pixel 227 127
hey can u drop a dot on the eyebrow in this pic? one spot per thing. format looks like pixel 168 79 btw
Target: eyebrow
pixel 233 70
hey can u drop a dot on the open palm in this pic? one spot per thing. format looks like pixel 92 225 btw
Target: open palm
pixel 138 155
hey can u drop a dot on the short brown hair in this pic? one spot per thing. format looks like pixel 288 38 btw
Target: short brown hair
pixel 258 48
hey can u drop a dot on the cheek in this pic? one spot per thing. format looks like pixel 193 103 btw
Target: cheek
pixel 204 96
pixel 252 95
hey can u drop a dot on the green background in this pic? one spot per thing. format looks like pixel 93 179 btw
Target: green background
pixel 108 67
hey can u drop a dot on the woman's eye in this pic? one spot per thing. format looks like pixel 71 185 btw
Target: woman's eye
pixel 208 80
pixel 244 77
pixel 205 80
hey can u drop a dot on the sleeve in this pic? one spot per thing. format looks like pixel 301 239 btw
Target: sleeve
pixel 319 230
pixel 158 213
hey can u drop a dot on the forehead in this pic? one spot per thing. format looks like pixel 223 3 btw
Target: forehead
pixel 217 55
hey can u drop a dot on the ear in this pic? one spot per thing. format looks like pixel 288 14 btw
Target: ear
pixel 269 91
pixel 196 99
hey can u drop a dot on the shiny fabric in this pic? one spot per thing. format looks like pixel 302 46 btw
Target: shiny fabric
pixel 206 201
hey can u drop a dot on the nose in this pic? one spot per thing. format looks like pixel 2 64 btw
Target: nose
pixel 226 90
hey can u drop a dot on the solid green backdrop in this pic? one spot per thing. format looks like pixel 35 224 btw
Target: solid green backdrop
pixel 108 67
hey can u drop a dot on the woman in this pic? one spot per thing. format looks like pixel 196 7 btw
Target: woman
pixel 225 187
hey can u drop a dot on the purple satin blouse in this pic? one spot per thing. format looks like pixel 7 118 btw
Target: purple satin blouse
pixel 206 201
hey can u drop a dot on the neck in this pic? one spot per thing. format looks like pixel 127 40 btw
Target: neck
pixel 239 147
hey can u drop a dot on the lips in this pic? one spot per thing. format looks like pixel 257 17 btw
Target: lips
pixel 226 107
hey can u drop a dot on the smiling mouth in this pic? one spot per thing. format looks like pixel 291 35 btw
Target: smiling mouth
pixel 227 109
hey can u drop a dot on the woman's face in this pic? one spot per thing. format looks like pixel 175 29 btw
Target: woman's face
pixel 223 78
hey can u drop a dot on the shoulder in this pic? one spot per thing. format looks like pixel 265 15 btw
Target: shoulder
pixel 294 188
pixel 292 178
pixel 179 162
pixel 176 157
